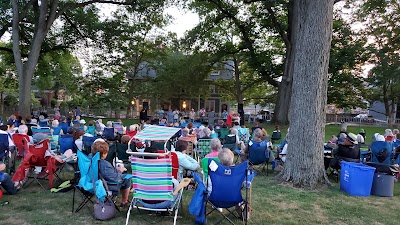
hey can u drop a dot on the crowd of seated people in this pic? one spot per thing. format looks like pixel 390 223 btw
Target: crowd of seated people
pixel 77 128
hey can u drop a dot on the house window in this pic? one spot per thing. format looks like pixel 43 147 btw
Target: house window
pixel 215 73
pixel 209 105
pixel 212 89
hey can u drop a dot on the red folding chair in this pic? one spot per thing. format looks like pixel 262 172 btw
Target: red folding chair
pixel 175 163
pixel 21 141
pixel 36 157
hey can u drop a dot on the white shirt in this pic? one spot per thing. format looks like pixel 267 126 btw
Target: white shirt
pixel 284 152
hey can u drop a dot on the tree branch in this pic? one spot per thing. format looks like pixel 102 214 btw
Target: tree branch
pixel 278 26
pixel 247 41
pixel 5 49
pixel 53 14
pixel 15 38
pixel 249 85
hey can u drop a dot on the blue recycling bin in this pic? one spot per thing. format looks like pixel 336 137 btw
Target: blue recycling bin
pixel 356 178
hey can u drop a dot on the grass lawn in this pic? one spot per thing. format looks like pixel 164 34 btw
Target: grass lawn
pixel 272 204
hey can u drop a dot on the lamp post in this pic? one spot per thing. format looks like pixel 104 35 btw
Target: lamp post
pixel 184 105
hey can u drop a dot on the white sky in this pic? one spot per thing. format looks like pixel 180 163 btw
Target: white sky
pixel 182 20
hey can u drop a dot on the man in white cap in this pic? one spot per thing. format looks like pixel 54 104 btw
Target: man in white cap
pixel 348 151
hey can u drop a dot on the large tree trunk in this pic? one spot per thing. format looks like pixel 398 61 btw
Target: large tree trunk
pixel 304 164
pixel 284 97
pixel 26 69
pixel 281 112
pixel 239 92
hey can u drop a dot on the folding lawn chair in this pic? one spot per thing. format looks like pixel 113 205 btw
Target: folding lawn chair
pixel 118 127
pixel 66 142
pixel 46 131
pixel 204 167
pixel 244 134
pixel 230 198
pixel 174 159
pixel 121 151
pixel 7 155
pixel 203 148
pixel 40 166
pixel 87 143
pixel 19 141
pixel 109 133
pixel 64 127
pixel 153 185
pixel 381 152
pixel 223 133
pixel 259 156
pixel 87 172
pixel 276 136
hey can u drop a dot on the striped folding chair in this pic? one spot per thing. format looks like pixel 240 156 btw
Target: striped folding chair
pixel 203 148
pixel 154 187
pixel 47 131
pixel 118 127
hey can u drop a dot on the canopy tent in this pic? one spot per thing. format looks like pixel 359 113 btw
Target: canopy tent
pixel 155 133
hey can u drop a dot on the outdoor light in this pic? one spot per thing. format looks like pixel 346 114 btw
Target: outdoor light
pixel 133 101
pixel 184 104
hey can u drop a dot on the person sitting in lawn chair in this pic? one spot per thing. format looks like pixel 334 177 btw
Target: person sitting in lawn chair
pixel 256 142
pixel 185 161
pixel 5 181
pixel 226 158
pixel 348 151
pixel 116 180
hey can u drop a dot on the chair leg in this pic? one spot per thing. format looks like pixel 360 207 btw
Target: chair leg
pixel 129 213
pixel 176 214
pixel 73 200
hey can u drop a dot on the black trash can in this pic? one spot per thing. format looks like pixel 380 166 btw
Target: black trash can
pixel 383 185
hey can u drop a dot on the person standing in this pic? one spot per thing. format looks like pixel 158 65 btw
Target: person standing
pixel 170 116
pixel 202 114
pixel 211 117
pixel 225 115
pixel 143 115
pixel 229 119
pixel 77 112
pixel 192 114
pixel 176 116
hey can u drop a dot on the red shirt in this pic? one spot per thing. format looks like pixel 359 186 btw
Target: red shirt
pixel 229 119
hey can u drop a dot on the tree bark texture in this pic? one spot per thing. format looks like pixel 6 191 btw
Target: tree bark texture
pixel 313 27
pixel 281 112
pixel 26 69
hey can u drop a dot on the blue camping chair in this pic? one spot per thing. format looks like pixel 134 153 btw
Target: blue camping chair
pixel 227 198
pixel 43 123
pixel 259 156
pixel 109 134
pixel 66 142
pixel 87 143
pixel 3 147
pixel 64 127
pixel 89 171
pixel 381 152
